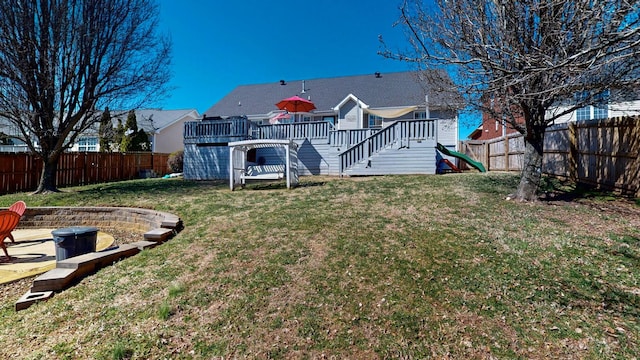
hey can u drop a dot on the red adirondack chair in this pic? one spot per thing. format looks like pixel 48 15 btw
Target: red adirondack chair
pixel 18 207
pixel 8 222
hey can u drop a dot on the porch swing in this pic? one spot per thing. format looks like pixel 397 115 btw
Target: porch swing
pixel 240 171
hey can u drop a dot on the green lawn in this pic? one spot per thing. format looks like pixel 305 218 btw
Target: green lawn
pixel 378 267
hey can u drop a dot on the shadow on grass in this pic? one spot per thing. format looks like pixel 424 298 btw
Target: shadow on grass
pixel 151 186
pixel 600 294
pixel 279 185
pixel 553 189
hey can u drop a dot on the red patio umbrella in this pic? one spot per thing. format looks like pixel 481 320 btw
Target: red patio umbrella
pixel 295 104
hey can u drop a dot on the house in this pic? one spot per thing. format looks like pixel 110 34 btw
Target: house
pixel 350 102
pixel 8 141
pixel 476 134
pixel 492 128
pixel 375 124
pixel 164 128
pixel 612 104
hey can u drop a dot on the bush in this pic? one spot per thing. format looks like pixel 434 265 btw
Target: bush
pixel 175 161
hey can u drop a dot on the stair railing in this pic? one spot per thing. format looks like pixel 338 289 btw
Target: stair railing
pixel 400 132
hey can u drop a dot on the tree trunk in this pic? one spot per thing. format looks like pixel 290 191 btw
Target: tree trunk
pixel 532 166
pixel 48 177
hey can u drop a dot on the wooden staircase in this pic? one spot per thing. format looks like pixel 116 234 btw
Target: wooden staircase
pixel 392 150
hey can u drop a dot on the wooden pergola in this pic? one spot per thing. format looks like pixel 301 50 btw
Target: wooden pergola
pixel 239 172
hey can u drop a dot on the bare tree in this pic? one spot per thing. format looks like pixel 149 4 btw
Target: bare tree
pixel 61 61
pixel 537 59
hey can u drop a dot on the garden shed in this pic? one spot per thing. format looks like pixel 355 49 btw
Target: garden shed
pixel 241 169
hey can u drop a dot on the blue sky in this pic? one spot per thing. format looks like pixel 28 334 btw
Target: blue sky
pixel 218 45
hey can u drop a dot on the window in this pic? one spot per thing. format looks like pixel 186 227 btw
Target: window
pixel 87 144
pixel 598 111
pixel 504 124
pixel 592 112
pixel 584 113
pixel 375 121
pixel 329 119
pixel 420 115
pixel 601 108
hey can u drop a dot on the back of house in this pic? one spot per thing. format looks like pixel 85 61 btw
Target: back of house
pixel 373 124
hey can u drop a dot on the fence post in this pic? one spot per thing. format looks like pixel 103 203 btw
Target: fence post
pixel 487 156
pixel 573 151
pixel 634 136
pixel 507 166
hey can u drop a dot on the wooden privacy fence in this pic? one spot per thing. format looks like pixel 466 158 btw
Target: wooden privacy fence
pixel 21 172
pixel 603 153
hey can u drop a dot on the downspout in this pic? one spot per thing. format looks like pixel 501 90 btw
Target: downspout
pixel 231 170
pixel 457 133
pixel 426 107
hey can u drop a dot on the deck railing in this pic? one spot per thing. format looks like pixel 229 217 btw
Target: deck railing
pixel 206 130
pixel 347 138
pixel 401 132
pixel 294 131
pixel 237 127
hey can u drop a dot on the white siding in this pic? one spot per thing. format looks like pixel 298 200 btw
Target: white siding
pixel 349 117
pixel 314 158
pixel 627 108
pixel 447 133
pixel 206 162
pixel 562 119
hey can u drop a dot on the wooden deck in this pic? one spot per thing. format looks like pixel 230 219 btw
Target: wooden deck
pixel 404 147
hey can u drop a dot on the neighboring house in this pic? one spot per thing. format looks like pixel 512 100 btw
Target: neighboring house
pixel 8 143
pixel 612 105
pixel 492 128
pixel 475 134
pixel 164 128
pixel 382 123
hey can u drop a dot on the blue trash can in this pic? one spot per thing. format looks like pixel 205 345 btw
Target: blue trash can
pixel 74 241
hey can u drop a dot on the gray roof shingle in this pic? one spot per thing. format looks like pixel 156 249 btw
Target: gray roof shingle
pixel 152 120
pixel 387 90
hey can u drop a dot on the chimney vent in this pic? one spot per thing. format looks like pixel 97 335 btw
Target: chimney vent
pixel 282 82
pixel 378 75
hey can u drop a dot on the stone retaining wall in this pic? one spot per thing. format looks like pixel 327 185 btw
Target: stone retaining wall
pixel 157 227
pixel 135 219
